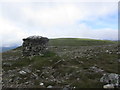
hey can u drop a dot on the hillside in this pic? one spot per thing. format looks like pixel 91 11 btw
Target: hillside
pixel 3 49
pixel 78 42
pixel 69 62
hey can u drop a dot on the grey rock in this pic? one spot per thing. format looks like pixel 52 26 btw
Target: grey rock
pixel 41 84
pixel 35 75
pixel 22 72
pixel 66 88
pixel 111 78
pixel 27 70
pixel 7 64
pixel 118 60
pixel 49 86
pixel 96 69
pixel 26 82
pixel 108 86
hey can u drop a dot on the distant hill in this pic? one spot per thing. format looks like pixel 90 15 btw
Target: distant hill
pixel 3 49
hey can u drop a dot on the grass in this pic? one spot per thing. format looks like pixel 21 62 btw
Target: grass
pixel 19 63
pixel 107 62
pixel 78 42
pixel 48 59
pixel 36 61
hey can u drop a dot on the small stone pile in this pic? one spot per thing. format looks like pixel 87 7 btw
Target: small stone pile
pixel 34 45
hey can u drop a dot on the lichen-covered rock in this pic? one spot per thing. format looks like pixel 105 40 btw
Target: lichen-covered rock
pixel 111 78
pixel 34 45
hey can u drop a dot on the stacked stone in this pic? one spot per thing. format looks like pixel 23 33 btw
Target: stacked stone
pixel 34 45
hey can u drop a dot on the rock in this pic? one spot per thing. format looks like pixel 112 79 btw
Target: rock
pixel 35 75
pixel 27 70
pixel 49 86
pixel 118 60
pixel 108 86
pixel 96 69
pixel 111 78
pixel 78 79
pixel 26 82
pixel 0 78
pixel 34 45
pixel 7 64
pixel 66 88
pixel 10 80
pixel 41 84
pixel 37 70
pixel 106 51
pixel 17 78
pixel 22 72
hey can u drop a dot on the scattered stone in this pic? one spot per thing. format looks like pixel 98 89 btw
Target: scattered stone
pixel 78 78
pixel 26 82
pixel 10 80
pixel 106 51
pixel 96 69
pixel 35 75
pixel 118 60
pixel 27 70
pixel 17 78
pixel 74 87
pixel 49 74
pixel 49 86
pixel 66 88
pixel 7 64
pixel 22 72
pixel 37 70
pixel 108 86
pixel 41 84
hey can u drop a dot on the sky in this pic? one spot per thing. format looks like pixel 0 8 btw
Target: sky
pixel 57 19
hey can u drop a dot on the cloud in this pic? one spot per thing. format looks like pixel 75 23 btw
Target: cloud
pixel 10 33
pixel 104 33
pixel 67 14
pixel 55 20
pixel 59 1
pixel 53 16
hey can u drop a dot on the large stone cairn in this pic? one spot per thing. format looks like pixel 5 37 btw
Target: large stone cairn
pixel 34 45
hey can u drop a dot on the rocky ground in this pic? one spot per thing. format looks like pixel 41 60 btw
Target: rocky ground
pixel 61 66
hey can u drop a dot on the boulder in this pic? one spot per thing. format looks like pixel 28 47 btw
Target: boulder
pixel 108 86
pixel 111 78
pixel 34 45
pixel 49 86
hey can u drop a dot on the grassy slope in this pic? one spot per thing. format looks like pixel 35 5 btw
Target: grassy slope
pixel 77 42
pixel 69 64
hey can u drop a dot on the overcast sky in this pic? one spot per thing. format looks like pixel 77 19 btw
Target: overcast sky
pixel 96 20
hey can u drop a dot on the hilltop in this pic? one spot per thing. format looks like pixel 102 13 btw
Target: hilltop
pixel 78 42
pixel 69 62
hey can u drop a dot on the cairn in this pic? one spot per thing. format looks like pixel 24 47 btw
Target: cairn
pixel 34 45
